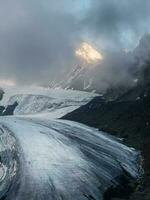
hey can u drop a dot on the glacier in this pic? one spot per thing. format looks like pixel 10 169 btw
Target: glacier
pixel 46 158
pixel 53 103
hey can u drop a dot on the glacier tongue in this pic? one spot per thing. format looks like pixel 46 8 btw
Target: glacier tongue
pixel 43 158
pixel 64 160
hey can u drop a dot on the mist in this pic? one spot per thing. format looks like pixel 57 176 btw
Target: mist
pixel 38 38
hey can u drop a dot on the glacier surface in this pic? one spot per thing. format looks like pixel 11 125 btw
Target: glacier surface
pixel 53 103
pixel 45 158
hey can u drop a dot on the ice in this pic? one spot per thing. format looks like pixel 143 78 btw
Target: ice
pixel 52 102
pixel 60 159
pixel 43 158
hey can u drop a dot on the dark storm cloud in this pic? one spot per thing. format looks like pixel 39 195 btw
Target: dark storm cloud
pixel 118 23
pixel 118 26
pixel 38 37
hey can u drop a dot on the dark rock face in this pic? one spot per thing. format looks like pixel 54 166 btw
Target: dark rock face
pixel 124 190
pixel 1 94
pixel 128 117
pixel 129 120
pixel 126 114
pixel 10 109
pixel 2 108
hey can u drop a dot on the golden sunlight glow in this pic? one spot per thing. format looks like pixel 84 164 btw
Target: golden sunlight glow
pixel 4 82
pixel 88 53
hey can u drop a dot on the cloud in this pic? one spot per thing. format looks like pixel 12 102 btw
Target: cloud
pixel 118 23
pixel 38 38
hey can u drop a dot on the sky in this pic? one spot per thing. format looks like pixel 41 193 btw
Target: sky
pixel 38 38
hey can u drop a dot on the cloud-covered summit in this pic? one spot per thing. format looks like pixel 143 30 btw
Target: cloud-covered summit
pixel 38 38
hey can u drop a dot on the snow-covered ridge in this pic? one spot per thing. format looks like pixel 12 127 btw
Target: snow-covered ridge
pixel 55 102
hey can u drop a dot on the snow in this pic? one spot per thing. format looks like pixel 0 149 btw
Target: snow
pixel 45 158
pixel 52 102
pixel 62 158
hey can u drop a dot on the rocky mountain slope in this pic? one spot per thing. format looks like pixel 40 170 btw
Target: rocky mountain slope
pixel 126 116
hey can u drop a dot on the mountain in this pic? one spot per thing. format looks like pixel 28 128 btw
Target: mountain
pixel 43 157
pixel 113 76
pixel 39 100
pixel 46 158
pixel 126 115
pixel 112 111
pixel 78 78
